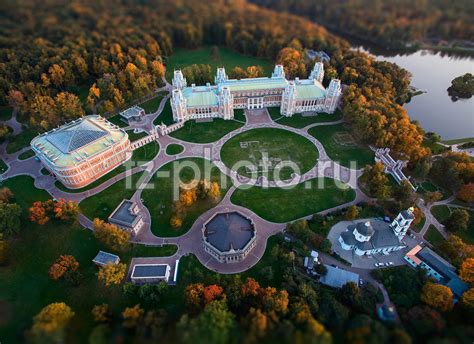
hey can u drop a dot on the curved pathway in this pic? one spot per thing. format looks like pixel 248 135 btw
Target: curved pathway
pixel 190 242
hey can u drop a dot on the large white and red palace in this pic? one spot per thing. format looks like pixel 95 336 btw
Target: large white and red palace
pixel 83 150
pixel 220 100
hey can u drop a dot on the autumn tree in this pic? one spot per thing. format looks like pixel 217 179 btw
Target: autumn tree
pixel 6 195
pixel 437 296
pixel 112 273
pixel 293 62
pixel 215 191
pixel 111 236
pixel 352 212
pixel 377 181
pixel 66 210
pixel 466 272
pixel 466 193
pixel 425 320
pixel 100 313
pixel 458 220
pixel 15 99
pixel 433 196
pixel 132 316
pixel 9 218
pixel 68 106
pixel 49 324
pixel 456 250
pixel 467 299
pixel 62 265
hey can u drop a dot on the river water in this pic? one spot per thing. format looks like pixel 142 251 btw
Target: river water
pixel 432 73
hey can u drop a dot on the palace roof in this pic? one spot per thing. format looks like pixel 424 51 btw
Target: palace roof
pixel 75 141
pixel 200 96
pixel 252 84
pixel 229 231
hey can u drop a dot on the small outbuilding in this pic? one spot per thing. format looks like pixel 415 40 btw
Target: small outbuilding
pixel 150 273
pixel 104 258
pixel 127 216
pixel 133 114
pixel 336 277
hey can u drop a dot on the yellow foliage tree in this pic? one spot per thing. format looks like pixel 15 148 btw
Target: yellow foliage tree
pixel 51 321
pixel 111 236
pixel 437 296
pixel 112 273
pixel 176 221
pixel 132 315
pixel 100 312
pixel 467 270
pixel 467 299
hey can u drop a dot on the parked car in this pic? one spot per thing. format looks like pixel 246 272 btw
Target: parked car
pixel 390 263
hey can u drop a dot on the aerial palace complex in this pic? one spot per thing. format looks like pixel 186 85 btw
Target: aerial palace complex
pixel 220 100
pixel 83 150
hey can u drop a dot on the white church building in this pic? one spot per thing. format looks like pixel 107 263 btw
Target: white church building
pixel 220 100
pixel 376 236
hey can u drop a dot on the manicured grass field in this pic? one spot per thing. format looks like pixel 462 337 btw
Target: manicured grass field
pixel 140 156
pixel 135 136
pixel 150 106
pixel 21 140
pixel 166 116
pixel 277 143
pixel 174 149
pixel 5 113
pixel 25 155
pixel 328 134
pixel 227 58
pixel 419 226
pixel 433 236
pixel 117 120
pixel 239 115
pixel 205 132
pixel 102 204
pixel 440 212
pixel 159 197
pixel 283 205
pixel 299 121
pixel 274 112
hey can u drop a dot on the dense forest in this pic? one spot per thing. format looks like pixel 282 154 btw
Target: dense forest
pixel 69 58
pixel 390 24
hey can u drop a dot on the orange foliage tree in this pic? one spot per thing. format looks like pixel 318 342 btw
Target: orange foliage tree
pixel 466 193
pixel 437 296
pixel 63 264
pixel 467 270
pixel 111 236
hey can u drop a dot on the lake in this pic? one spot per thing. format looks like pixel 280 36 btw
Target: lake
pixel 432 73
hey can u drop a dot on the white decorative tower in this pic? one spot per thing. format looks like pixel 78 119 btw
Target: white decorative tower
pixel 178 80
pixel 333 94
pixel 278 72
pixel 318 72
pixel 402 222
pixel 226 103
pixel 288 100
pixel 178 106
pixel 221 76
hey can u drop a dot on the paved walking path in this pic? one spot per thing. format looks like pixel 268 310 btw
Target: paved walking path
pixel 190 242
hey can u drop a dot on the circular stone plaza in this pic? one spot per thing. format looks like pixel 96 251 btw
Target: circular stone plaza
pixel 229 236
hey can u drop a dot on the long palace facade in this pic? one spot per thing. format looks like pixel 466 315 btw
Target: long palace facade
pixel 220 100
pixel 83 150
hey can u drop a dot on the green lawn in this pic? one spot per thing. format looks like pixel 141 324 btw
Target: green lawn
pixel 24 191
pixel 457 141
pixel 174 149
pixel 440 212
pixel 140 156
pixel 150 106
pixel 26 155
pixel 3 166
pixel 283 205
pixel 433 236
pixel 135 136
pixel 117 120
pixel 274 112
pixel 5 113
pixel 345 154
pixel 102 204
pixel 166 116
pixel 299 121
pixel 227 58
pixel 205 132
pixel 279 144
pixel 21 140
pixel 239 115
pixel 159 198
